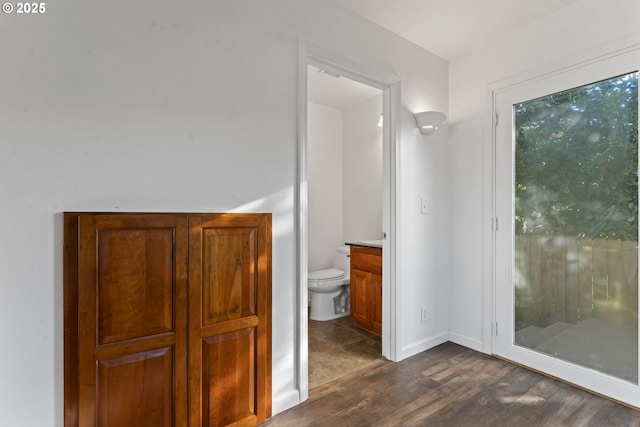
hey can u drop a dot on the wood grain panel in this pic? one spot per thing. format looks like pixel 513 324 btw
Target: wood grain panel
pixel 104 257
pixel 360 297
pixel 135 283
pixel 229 373
pixel 367 259
pixel 136 390
pixel 167 319
pixel 228 269
pixel 70 272
pixel 366 287
pixel 229 319
pixel 376 303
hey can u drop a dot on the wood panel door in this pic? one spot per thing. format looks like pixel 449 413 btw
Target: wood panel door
pixel 132 320
pixel 229 320
pixel 167 319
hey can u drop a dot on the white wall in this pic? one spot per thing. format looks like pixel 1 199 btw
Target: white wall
pixel 582 26
pixel 362 171
pixel 423 262
pixel 173 106
pixel 324 174
pixel 344 161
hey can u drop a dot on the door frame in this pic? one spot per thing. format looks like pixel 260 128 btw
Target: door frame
pixel 489 209
pixel 313 54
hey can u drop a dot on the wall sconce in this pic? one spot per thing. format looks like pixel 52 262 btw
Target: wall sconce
pixel 428 121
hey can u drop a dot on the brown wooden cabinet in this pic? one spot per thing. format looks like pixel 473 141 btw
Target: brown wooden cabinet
pixel 167 319
pixel 366 287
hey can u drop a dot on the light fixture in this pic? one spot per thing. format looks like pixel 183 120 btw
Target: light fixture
pixel 381 121
pixel 428 121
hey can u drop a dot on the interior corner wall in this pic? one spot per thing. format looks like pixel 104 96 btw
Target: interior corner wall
pixel 156 106
pixel 325 183
pixel 362 171
pixel 579 27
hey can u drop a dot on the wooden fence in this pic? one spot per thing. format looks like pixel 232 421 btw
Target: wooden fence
pixel 570 279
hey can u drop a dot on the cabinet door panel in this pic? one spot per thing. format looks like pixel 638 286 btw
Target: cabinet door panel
pixel 135 283
pixel 228 378
pixel 132 331
pixel 228 274
pixel 136 389
pixel 229 319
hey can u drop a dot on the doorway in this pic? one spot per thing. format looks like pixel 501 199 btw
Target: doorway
pixel 566 225
pixel 344 164
pixel 313 55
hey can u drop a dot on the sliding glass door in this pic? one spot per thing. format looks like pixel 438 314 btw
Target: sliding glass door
pixel 567 227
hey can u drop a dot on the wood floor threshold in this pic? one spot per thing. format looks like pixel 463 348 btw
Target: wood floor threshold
pixel 553 377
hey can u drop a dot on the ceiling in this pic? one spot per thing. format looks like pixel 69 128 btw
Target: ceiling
pixel 335 91
pixel 448 28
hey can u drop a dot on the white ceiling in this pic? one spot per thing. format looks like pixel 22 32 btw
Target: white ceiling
pixel 448 28
pixel 336 91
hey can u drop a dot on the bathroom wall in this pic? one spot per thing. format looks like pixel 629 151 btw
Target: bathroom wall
pixel 324 173
pixel 344 161
pixel 362 171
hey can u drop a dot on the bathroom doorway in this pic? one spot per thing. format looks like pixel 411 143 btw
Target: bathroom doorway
pixel 345 182
pixel 389 85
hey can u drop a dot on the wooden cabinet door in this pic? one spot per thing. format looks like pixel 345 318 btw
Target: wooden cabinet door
pixel 132 323
pixel 366 287
pixel 229 320
pixel 360 299
pixel 167 319
pixel 376 303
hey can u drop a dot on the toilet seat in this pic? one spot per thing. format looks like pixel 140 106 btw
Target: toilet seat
pixel 328 274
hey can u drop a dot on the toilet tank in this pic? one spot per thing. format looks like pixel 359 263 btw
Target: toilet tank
pixel 342 258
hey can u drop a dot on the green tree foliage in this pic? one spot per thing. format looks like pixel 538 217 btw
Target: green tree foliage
pixel 577 160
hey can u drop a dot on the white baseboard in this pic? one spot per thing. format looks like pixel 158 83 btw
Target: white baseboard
pixel 285 401
pixel 466 342
pixel 422 345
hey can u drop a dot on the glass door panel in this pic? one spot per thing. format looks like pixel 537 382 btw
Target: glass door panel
pixel 575 259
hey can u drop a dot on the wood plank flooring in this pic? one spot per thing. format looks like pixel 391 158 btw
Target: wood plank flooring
pixel 338 347
pixel 448 385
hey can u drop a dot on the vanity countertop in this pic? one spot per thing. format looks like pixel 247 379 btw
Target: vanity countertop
pixel 366 243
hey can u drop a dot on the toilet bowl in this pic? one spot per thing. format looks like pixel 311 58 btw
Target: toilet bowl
pixel 329 289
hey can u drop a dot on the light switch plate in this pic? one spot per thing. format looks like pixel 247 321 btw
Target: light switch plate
pixel 423 206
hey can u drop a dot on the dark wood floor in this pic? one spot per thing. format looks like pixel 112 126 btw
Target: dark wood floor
pixel 451 385
pixel 338 347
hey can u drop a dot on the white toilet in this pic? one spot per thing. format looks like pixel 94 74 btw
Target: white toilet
pixel 329 289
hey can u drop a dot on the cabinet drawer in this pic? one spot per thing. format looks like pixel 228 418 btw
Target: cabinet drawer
pixel 366 259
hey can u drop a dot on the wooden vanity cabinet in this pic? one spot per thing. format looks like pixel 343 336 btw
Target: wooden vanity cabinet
pixel 366 287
